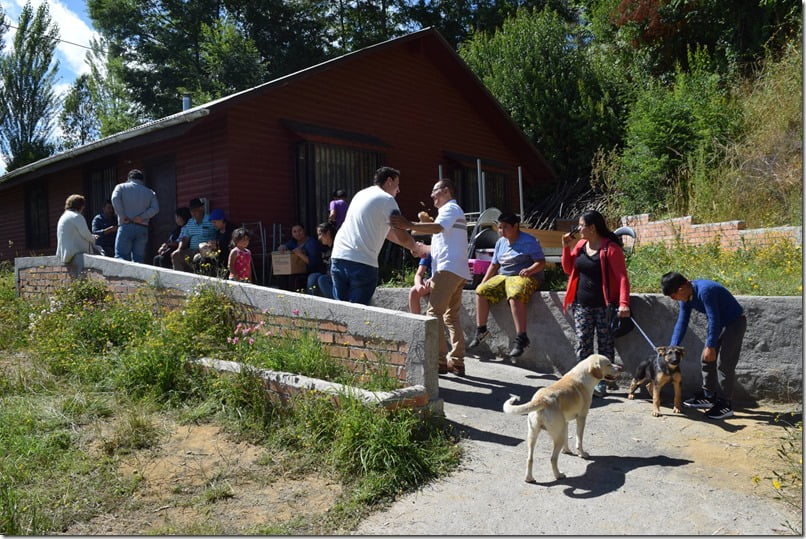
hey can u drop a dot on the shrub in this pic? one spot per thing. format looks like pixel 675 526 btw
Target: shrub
pixel 14 312
pixel 84 321
pixel 667 125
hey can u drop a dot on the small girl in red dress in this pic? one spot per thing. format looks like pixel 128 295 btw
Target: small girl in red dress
pixel 240 258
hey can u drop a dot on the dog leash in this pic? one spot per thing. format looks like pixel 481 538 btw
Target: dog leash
pixel 644 334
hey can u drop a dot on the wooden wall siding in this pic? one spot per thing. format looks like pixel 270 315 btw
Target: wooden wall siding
pixel 12 238
pixel 202 164
pixel 261 168
pixel 412 106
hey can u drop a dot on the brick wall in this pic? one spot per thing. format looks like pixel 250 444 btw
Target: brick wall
pixel 363 338
pixel 730 234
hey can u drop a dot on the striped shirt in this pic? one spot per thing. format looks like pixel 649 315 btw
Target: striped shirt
pixel 198 232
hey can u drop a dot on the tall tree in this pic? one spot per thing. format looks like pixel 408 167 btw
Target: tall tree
pixel 458 20
pixel 28 104
pixel 537 66
pixel 657 35
pixel 168 47
pixel 78 120
pixel 289 35
pixel 113 105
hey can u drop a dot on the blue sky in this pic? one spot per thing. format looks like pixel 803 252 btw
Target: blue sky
pixel 74 26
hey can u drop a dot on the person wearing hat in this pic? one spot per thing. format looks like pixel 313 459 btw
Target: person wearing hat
pixel 598 286
pixel 135 205
pixel 213 255
pixel 196 231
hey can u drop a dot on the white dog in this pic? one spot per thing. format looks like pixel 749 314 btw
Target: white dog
pixel 552 407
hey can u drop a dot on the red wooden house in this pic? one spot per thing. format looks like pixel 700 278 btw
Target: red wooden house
pixel 274 153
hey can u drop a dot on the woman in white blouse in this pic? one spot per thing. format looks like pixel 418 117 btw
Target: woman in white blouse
pixel 72 233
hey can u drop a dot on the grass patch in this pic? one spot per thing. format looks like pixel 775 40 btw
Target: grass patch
pixel 104 374
pixel 773 270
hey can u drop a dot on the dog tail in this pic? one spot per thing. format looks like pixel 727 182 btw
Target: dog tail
pixel 522 409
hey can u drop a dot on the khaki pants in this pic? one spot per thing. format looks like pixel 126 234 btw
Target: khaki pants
pixel 445 304
pixel 183 260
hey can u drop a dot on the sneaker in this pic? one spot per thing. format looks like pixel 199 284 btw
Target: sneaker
pixel 612 384
pixel 479 338
pixel 520 344
pixel 601 389
pixel 700 400
pixel 720 410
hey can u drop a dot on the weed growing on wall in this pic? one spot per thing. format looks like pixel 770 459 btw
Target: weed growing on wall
pixel 772 270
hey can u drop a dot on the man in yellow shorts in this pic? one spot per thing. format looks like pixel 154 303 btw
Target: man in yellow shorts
pixel 515 273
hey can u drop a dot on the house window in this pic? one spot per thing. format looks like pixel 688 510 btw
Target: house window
pixel 37 227
pixel 495 189
pixel 101 183
pixel 323 168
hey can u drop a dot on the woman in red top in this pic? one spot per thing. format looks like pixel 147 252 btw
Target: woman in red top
pixel 597 285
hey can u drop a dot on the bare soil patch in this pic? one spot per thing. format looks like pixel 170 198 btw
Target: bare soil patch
pixel 199 480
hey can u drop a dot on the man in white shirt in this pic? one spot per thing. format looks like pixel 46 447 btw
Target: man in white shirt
pixel 449 271
pixel 354 259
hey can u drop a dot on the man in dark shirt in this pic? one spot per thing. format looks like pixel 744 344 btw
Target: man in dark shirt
pixel 105 226
pixel 726 327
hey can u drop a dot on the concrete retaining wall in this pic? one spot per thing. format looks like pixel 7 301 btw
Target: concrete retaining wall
pixel 771 364
pixel 403 343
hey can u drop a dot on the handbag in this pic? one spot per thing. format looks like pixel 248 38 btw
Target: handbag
pixel 619 326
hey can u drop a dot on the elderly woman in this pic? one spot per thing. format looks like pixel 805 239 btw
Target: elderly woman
pixel 73 236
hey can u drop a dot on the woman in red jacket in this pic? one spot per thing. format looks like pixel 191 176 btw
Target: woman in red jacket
pixel 598 286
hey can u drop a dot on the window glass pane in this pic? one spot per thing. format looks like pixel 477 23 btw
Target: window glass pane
pixel 102 182
pixel 334 167
pixel 36 217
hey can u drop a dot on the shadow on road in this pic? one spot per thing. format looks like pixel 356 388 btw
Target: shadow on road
pixel 607 473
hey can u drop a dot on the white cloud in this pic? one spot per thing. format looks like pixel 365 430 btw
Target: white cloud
pixel 72 28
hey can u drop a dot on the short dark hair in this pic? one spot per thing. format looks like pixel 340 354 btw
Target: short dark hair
pixel 238 234
pixel 136 174
pixel 384 173
pixel 509 218
pixel 339 193
pixel 671 282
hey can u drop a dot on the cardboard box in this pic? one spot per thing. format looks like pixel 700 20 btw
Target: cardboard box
pixel 287 263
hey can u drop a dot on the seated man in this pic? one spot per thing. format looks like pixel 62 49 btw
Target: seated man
pixel 422 284
pixel 516 272
pixel 197 230
pixel 213 255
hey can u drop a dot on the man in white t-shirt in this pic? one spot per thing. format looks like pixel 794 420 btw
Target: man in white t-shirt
pixel 449 271
pixel 354 259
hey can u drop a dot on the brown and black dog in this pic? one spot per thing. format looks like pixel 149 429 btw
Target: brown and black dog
pixel 658 371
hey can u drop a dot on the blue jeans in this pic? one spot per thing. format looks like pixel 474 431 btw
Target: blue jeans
pixel 353 281
pixel 320 284
pixel 130 242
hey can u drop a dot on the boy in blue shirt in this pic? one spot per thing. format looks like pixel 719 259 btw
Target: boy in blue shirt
pixel 726 327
